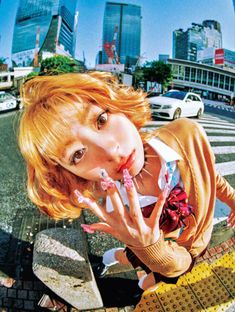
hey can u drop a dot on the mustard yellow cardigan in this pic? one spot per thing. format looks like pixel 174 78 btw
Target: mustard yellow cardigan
pixel 202 185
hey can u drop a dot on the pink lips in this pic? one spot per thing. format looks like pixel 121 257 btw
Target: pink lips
pixel 127 163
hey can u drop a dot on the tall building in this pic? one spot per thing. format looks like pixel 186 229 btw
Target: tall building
pixel 187 44
pixel 121 33
pixel 43 26
pixel 163 58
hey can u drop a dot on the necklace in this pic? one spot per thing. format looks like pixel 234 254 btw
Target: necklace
pixel 139 176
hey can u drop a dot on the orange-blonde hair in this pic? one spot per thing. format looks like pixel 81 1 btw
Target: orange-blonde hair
pixel 49 102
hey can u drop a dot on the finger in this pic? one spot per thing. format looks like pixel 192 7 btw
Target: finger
pixel 91 205
pixel 109 186
pixel 157 210
pixel 231 219
pixel 101 227
pixel 231 216
pixel 135 209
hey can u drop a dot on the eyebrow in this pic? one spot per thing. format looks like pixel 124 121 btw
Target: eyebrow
pixel 86 117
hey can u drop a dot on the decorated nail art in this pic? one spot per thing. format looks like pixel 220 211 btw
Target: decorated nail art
pixel 107 184
pixel 128 183
pixel 86 228
pixel 81 199
pixel 106 181
pixel 165 191
pixel 103 173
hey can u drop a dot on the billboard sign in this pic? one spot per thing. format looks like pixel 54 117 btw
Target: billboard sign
pixel 219 56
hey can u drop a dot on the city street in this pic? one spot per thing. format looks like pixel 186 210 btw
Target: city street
pixel 20 221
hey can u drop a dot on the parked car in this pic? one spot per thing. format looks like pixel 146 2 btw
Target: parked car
pixel 151 94
pixel 175 104
pixel 7 101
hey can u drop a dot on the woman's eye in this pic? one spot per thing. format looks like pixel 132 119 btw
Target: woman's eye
pixel 77 156
pixel 102 119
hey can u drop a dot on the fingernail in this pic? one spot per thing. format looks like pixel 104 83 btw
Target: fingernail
pixel 128 183
pixel 103 173
pixel 165 191
pixel 80 197
pixel 107 184
pixel 106 181
pixel 86 228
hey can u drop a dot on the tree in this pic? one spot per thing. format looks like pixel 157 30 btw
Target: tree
pixel 31 75
pixel 139 77
pixel 2 60
pixel 59 64
pixel 157 71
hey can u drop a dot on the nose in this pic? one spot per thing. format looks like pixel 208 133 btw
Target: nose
pixel 108 148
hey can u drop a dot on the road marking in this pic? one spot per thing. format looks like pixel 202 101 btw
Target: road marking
pixel 218 150
pixel 226 168
pixel 229 126
pixel 220 131
pixel 154 123
pixel 214 122
pixel 215 138
pixel 206 116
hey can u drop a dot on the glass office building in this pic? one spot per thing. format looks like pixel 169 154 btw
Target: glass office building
pixel 45 26
pixel 187 44
pixel 122 27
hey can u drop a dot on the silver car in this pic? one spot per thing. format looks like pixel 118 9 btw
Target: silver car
pixel 7 101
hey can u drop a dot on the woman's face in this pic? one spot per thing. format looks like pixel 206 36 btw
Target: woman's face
pixel 102 140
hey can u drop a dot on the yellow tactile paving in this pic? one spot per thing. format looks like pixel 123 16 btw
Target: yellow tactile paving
pixel 208 288
pixel 149 302
pixel 224 268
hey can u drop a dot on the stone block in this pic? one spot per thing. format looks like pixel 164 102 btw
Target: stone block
pixel 61 262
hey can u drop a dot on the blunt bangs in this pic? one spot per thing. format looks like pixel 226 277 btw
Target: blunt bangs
pixel 52 126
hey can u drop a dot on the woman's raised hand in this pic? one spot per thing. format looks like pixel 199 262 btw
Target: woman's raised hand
pixel 130 227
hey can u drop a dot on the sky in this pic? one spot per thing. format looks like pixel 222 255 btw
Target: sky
pixel 159 19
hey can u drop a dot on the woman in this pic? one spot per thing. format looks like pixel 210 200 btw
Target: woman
pixel 80 137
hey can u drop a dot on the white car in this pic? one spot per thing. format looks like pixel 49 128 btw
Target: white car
pixel 175 104
pixel 7 101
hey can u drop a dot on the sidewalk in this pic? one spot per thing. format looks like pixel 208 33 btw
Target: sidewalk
pixel 115 289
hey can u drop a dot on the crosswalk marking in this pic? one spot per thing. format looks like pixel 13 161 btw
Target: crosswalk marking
pixel 222 131
pixel 225 168
pixel 223 150
pixel 218 126
pixel 208 117
pixel 212 122
pixel 221 138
